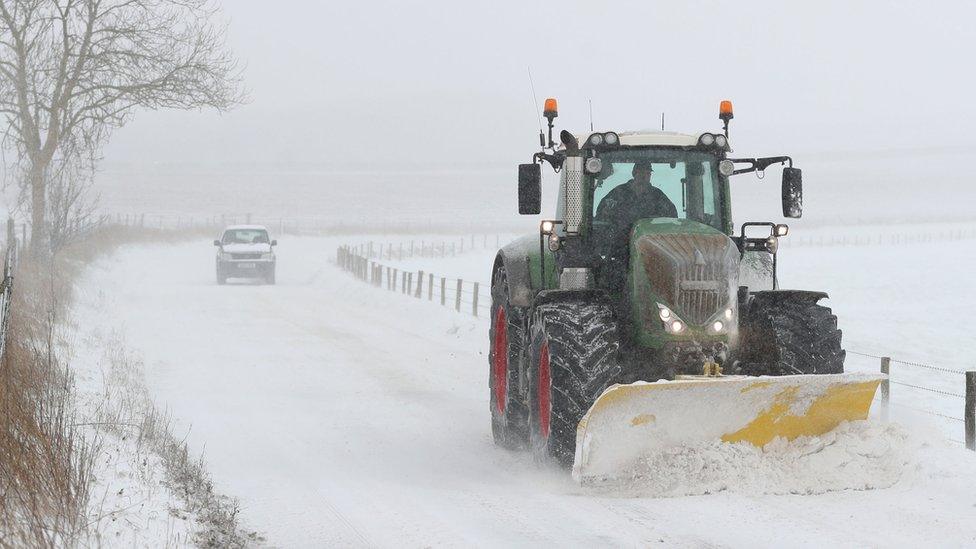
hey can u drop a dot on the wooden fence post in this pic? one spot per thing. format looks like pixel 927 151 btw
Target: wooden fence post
pixel 395 271
pixel 443 294
pixel 971 410
pixel 474 301
pixel 885 386
pixel 420 284
pixel 457 297
pixel 430 287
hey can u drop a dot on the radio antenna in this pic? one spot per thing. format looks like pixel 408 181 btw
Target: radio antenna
pixel 535 100
pixel 591 114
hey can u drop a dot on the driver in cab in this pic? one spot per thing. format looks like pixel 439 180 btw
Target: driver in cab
pixel 635 199
pixel 624 205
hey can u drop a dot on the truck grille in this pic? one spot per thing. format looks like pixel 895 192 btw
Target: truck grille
pixel 693 272
pixel 249 255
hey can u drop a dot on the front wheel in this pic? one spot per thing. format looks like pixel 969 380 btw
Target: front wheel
pixel 786 335
pixel 270 278
pixel 573 359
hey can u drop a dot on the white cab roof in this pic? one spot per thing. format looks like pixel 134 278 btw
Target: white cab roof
pixel 246 227
pixel 650 137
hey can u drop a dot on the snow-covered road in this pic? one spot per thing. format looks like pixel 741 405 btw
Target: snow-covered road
pixel 341 415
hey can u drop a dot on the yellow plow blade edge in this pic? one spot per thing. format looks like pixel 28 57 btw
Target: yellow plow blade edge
pixel 630 421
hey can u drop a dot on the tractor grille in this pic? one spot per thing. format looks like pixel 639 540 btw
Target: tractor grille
pixel 249 255
pixel 694 273
pixel 699 294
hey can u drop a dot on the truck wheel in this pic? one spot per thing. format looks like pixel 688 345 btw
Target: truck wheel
pixel 506 337
pixel 574 358
pixel 221 279
pixel 270 279
pixel 791 336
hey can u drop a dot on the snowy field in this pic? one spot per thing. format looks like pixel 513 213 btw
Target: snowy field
pixel 344 415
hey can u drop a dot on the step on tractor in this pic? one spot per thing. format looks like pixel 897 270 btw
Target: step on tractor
pixel 637 320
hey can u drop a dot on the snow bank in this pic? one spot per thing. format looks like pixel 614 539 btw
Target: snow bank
pixel 861 455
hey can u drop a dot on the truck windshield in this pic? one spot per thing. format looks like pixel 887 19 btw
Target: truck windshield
pixel 641 183
pixel 245 236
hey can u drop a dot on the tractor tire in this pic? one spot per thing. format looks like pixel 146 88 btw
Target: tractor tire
pixel 574 357
pixel 791 336
pixel 506 337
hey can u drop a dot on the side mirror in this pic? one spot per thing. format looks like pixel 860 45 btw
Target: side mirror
pixel 274 242
pixel 216 243
pixel 530 189
pixel 792 192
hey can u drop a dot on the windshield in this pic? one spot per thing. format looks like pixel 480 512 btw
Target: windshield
pixel 246 236
pixel 641 183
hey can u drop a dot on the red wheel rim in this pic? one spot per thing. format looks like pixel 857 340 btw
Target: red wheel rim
pixel 499 366
pixel 545 391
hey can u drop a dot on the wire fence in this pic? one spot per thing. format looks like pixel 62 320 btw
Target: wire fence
pixel 474 297
pixel 467 296
pixel 298 225
pixel 880 239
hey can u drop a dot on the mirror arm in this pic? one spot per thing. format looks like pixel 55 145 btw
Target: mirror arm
pixel 760 164
pixel 555 159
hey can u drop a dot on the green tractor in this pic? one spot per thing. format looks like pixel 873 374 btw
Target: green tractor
pixel 639 300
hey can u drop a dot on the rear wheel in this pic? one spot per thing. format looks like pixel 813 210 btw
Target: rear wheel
pixel 574 358
pixel 506 337
pixel 793 335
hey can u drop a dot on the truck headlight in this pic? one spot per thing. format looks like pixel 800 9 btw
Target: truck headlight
pixel 225 256
pixel 267 256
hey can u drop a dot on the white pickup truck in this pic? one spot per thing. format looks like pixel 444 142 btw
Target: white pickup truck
pixel 245 251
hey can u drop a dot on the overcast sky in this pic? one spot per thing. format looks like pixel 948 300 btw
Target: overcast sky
pixel 361 82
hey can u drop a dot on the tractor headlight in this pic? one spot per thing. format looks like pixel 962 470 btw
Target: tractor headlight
pixel 611 138
pixel 596 139
pixel 707 139
pixel 593 165
pixel 726 167
pixel 721 322
pixel 672 324
pixel 665 314
pixel 721 141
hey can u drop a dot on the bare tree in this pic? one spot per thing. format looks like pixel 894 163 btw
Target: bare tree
pixel 73 70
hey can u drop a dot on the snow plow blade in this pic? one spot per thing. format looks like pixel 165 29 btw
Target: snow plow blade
pixel 630 421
